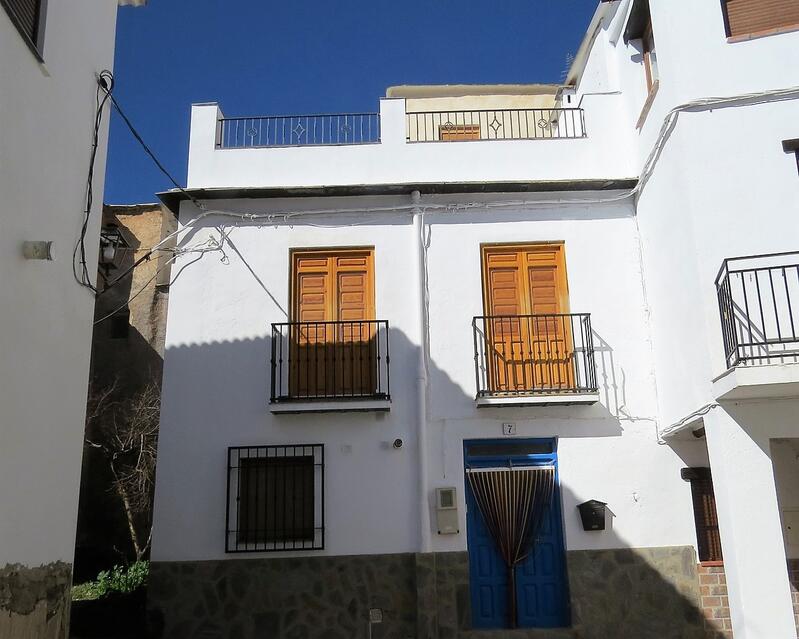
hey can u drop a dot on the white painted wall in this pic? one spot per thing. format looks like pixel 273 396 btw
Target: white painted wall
pixel 785 459
pixel 722 187
pixel 217 354
pixel 393 161
pixel 738 441
pixel 47 115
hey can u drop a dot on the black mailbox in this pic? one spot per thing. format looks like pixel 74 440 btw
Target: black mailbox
pixel 592 513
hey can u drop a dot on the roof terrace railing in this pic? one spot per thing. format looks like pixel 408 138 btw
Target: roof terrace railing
pixel 298 130
pixel 495 124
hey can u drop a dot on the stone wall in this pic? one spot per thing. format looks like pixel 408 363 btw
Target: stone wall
pixel 715 604
pixel 624 593
pixel 34 602
pixel 635 592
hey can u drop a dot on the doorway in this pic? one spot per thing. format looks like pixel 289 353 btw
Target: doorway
pixel 541 598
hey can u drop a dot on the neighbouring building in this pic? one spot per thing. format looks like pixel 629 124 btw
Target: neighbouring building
pixel 127 360
pixel 394 332
pixel 50 55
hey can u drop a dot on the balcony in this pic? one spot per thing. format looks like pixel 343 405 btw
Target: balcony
pixel 534 359
pixel 495 124
pixel 330 366
pixel 758 299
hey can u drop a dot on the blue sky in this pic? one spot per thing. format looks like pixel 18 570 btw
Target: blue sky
pixel 261 57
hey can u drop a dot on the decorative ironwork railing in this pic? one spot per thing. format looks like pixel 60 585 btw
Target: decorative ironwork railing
pixel 494 124
pixel 330 361
pixel 758 300
pixel 534 354
pixel 298 130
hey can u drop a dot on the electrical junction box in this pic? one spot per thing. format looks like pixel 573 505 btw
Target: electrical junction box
pixel 447 511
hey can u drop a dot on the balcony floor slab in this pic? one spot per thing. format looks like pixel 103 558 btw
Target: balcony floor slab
pixel 330 406
pixel 537 400
pixel 766 381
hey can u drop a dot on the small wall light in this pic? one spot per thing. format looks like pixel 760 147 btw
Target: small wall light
pixel 41 250
pixel 110 240
pixel 592 512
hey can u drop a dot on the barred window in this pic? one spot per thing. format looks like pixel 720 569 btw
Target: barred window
pixel 275 498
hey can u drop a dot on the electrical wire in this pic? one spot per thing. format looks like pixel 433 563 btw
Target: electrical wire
pixel 167 264
pixel 273 218
pixel 677 426
pixel 105 85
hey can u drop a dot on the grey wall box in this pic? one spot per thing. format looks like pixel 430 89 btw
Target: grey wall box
pixel 592 513
pixel 447 511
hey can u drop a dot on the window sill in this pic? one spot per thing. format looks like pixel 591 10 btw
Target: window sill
pixel 537 400
pixel 711 564
pixel 745 37
pixel 330 406
pixel 650 99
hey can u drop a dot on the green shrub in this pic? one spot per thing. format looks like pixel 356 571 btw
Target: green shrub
pixel 118 579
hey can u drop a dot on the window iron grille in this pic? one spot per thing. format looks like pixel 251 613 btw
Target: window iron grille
pixel 275 498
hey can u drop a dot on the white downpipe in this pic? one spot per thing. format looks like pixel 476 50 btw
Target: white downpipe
pixel 421 372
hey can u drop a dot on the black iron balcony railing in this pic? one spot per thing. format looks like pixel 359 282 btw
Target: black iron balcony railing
pixel 341 360
pixel 494 124
pixel 298 130
pixel 759 306
pixel 534 355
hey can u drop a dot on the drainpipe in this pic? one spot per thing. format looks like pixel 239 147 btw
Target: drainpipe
pixel 421 372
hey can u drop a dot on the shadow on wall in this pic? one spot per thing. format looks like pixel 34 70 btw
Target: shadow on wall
pixel 222 390
pixel 102 538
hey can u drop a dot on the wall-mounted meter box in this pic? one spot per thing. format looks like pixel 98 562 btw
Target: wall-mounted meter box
pixel 447 511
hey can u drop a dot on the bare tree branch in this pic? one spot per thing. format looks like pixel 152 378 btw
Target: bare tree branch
pixel 126 431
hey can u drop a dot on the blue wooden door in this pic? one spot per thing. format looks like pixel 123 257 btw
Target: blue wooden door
pixel 541 588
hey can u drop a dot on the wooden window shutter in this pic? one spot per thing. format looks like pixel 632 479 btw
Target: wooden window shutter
pixel 745 17
pixel 705 517
pixel 25 14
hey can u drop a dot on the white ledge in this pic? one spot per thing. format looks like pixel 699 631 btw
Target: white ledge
pixel 538 400
pixel 766 381
pixel 330 406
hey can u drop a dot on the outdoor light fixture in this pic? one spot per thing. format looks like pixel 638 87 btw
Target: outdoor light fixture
pixel 592 512
pixel 42 250
pixel 110 241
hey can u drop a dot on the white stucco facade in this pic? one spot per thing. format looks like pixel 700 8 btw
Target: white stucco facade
pixel 47 109
pixel 641 257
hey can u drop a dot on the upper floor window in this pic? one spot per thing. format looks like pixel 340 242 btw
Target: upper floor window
pixel 759 17
pixel 639 27
pixel 453 132
pixel 28 18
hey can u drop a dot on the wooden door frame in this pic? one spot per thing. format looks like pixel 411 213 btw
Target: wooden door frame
pixel 563 288
pixel 524 289
pixel 327 251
